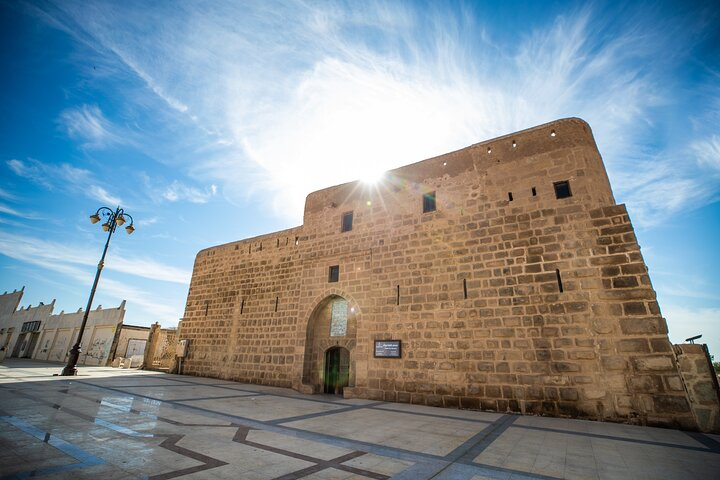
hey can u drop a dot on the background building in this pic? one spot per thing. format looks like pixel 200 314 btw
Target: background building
pixel 34 332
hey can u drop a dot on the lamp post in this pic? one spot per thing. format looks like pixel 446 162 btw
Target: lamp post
pixel 113 220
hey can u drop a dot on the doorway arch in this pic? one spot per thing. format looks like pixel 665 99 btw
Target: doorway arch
pixel 329 353
pixel 337 370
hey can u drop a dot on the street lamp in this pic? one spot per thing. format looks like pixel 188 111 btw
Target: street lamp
pixel 113 220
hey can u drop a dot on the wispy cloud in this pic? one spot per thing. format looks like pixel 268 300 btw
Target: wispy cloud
pixel 87 124
pixel 8 195
pixel 708 152
pixel 74 263
pixel 155 311
pixel 685 322
pixel 59 257
pixel 178 191
pixel 159 190
pixel 657 187
pixel 102 195
pixel 286 107
pixel 146 222
pixel 63 177
pixel 16 213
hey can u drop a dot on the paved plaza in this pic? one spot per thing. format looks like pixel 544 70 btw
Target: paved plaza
pixel 111 424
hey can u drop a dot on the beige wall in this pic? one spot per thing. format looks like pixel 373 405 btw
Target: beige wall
pixel 128 333
pixel 9 302
pixel 161 349
pixel 57 333
pixel 701 383
pixel 16 342
pixel 60 333
pixel 597 349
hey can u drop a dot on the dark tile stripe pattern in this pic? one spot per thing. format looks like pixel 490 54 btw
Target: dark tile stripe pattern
pixel 241 437
pixel 170 443
pixel 115 398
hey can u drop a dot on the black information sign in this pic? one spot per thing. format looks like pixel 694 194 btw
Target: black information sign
pixel 388 348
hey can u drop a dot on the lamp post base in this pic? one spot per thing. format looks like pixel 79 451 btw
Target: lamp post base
pixel 70 369
pixel 68 372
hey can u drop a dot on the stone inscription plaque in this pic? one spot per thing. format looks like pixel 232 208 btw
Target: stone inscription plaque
pixel 388 348
pixel 338 320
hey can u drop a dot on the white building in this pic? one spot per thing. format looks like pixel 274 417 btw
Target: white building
pixel 34 332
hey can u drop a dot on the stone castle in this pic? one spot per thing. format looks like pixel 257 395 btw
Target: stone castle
pixel 502 276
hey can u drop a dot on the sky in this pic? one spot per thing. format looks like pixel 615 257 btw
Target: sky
pixel 209 122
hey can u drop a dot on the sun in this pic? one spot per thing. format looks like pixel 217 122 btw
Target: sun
pixel 372 176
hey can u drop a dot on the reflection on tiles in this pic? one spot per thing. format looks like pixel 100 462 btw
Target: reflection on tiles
pixel 86 459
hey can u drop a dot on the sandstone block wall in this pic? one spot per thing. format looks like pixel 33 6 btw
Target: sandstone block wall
pixel 505 297
pixel 701 383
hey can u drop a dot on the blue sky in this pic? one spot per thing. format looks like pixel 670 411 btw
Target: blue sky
pixel 210 122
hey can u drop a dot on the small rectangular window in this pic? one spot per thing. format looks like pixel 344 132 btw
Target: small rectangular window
pixel 429 202
pixel 534 192
pixel 510 197
pixel 562 189
pixel 334 274
pixel 347 220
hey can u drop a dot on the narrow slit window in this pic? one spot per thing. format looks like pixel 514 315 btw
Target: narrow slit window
pixel 207 307
pixel 562 189
pixel 429 204
pixel 334 274
pixel 510 197
pixel 397 299
pixel 249 248
pixel 277 300
pixel 559 280
pixel 242 306
pixel 347 221
pixel 278 243
pixel 297 241
pixel 465 288
pixel 534 192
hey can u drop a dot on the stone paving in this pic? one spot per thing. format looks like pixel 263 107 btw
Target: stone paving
pixel 120 424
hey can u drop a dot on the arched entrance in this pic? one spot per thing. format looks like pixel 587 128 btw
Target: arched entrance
pixel 329 356
pixel 337 370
